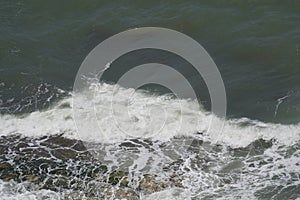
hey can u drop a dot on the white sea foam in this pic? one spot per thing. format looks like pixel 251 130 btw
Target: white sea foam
pixel 15 191
pixel 170 194
pixel 148 114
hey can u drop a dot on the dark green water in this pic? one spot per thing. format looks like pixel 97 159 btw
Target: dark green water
pixel 255 44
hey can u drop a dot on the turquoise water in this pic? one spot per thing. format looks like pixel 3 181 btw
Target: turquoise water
pixel 255 44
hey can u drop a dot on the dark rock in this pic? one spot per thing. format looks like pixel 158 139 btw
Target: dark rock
pixel 64 154
pixel 117 177
pixel 257 147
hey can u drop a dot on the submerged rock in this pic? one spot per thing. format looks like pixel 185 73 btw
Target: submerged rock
pixel 7 172
pixel 118 177
pixel 122 193
pixel 257 147
pixel 59 164
pixel 150 183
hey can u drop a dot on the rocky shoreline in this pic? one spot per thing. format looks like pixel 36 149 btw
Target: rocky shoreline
pixel 56 163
